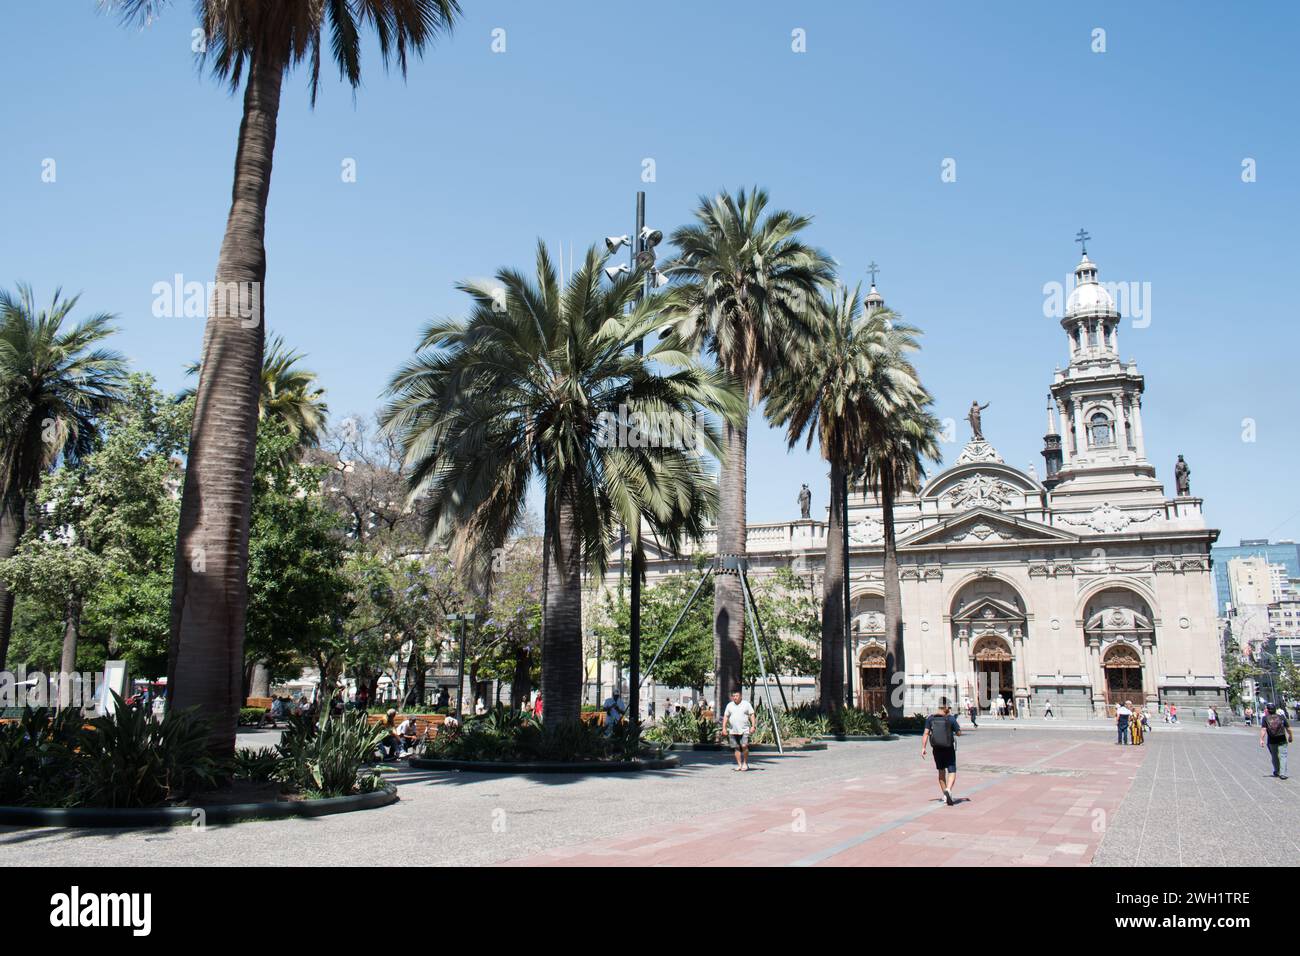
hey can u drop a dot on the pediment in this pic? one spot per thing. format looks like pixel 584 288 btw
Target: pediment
pixel 988 610
pixel 982 526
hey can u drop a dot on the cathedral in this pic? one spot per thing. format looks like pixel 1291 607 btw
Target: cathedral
pixel 1082 589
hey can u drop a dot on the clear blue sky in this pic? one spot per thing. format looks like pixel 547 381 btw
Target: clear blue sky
pixel 461 168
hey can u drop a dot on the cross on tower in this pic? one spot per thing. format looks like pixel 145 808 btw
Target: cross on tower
pixel 1082 239
pixel 873 269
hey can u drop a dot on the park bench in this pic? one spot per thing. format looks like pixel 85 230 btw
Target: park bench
pixel 426 725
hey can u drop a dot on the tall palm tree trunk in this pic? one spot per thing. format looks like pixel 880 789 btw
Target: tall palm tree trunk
pixel 210 585
pixel 13 518
pixel 895 663
pixel 562 625
pixel 728 597
pixel 831 679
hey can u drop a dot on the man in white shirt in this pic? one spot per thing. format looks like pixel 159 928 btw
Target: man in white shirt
pixel 1122 714
pixel 739 722
pixel 614 711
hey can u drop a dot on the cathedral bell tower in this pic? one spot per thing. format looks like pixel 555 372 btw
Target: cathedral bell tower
pixel 1097 397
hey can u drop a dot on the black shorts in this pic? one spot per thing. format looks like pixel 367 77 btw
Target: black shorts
pixel 945 758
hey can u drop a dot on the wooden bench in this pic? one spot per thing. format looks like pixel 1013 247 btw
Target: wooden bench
pixel 426 725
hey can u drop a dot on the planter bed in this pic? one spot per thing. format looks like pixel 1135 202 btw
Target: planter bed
pixel 172 816
pixel 545 766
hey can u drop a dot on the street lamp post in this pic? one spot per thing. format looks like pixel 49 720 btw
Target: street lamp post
pixel 460 669
pixel 848 632
pixel 641 244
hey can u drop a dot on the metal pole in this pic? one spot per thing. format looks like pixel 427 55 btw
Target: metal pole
pixel 848 633
pixel 599 671
pixel 680 617
pixel 762 666
pixel 753 603
pixel 638 553
pixel 460 675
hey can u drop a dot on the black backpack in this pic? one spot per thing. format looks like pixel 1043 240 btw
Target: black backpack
pixel 941 731
pixel 1275 724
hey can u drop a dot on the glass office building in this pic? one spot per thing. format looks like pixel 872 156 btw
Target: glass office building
pixel 1285 553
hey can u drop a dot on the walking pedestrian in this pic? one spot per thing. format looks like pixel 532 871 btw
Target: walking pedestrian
pixel 740 722
pixel 941 733
pixel 1047 710
pixel 1275 734
pixel 1212 718
pixel 1122 714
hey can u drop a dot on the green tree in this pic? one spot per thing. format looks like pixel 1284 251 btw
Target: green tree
pixel 55 383
pixel 297 551
pixel 259 42
pixel 843 378
pixel 536 384
pixel 61 575
pixel 687 661
pixel 745 281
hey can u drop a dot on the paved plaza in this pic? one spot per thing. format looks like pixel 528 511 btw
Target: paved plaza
pixel 1029 796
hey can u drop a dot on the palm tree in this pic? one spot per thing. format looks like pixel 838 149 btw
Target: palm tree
pixel 899 445
pixel 745 281
pixel 255 42
pixel 55 384
pixel 542 382
pixel 289 394
pixel 845 377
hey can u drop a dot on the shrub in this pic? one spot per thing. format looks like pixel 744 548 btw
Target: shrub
pixel 128 759
pixel 261 765
pixel 501 734
pixel 326 760
pixel 685 727
pixel 251 716
pixel 36 757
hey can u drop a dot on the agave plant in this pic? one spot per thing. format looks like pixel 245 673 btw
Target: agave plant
pixel 326 759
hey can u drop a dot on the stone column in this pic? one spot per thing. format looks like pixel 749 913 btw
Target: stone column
pixel 1098 679
pixel 1137 427
pixel 1064 432
pixel 1150 679
pixel 964 661
pixel 1121 427
pixel 1080 438
pixel 1021 670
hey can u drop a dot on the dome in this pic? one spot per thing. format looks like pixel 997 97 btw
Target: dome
pixel 1089 297
pixel 874 299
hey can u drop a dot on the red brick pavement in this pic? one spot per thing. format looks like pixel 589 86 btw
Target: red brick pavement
pixel 1004 818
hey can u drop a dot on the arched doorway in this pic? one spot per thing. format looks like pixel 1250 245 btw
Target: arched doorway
pixel 993 677
pixel 988 628
pixel 1119 628
pixel 871 677
pixel 1123 669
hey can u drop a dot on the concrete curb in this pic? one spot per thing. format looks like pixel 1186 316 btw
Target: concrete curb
pixel 754 748
pixel 858 738
pixel 521 766
pixel 134 817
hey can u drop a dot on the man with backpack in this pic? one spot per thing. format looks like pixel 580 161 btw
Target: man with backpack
pixel 941 733
pixel 1275 734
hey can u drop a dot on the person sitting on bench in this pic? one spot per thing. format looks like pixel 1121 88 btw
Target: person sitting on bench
pixel 408 735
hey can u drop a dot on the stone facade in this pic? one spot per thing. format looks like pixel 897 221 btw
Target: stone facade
pixel 1086 588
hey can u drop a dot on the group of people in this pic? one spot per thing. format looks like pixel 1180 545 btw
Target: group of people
pixel 1131 724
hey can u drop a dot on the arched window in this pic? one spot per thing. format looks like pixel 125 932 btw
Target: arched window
pixel 1100 430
